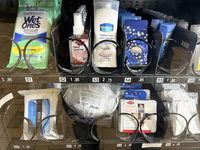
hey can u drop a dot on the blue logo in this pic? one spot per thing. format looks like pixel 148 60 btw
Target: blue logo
pixel 31 22
pixel 106 27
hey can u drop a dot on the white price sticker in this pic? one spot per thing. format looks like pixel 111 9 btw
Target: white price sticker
pixel 145 145
pixel 68 146
pixel 127 80
pixel 16 147
pixel 173 80
pixel 191 80
pixel 77 80
pixel 62 79
pixel 28 79
pixel 160 80
pixel 95 79
pixel 119 145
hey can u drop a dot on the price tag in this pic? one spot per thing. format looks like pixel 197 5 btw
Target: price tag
pixel 77 80
pixel 191 80
pixel 159 80
pixel 29 79
pixel 141 80
pixel 145 145
pixel 127 80
pixel 119 145
pixel 95 79
pixel 68 146
pixel 103 79
pixel 62 79
pixel 16 147
pixel 2 79
pixel 173 80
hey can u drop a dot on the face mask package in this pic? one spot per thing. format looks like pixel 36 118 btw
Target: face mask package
pixel 179 101
pixel 184 105
pixel 91 101
pixel 38 105
pixel 35 19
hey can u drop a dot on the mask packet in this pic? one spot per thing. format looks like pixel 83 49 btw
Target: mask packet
pixel 92 100
pixel 39 104
pixel 34 19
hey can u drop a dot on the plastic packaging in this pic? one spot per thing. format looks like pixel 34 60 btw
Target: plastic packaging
pixel 92 100
pixel 184 105
pixel 38 105
pixel 34 19
pixel 139 109
pixel 136 50
pixel 105 27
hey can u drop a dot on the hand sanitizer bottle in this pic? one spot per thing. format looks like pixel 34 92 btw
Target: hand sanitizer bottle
pixel 78 53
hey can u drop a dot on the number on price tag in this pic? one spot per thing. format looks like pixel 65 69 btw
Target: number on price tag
pixel 95 79
pixel 119 145
pixel 159 80
pixel 191 80
pixel 62 79
pixel 28 79
pixel 127 80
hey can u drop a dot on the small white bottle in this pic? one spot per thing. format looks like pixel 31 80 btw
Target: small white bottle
pixel 78 53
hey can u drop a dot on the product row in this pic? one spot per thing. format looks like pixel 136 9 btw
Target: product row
pixel 100 113
pixel 85 42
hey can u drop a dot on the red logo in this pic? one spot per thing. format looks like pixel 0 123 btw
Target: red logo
pixel 78 43
pixel 130 102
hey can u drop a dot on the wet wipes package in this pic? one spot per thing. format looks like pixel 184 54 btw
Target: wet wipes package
pixel 136 50
pixel 34 19
pixel 39 105
pixel 137 94
pixel 139 109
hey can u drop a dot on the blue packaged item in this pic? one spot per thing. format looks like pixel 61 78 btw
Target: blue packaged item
pixel 156 23
pixel 137 94
pixel 124 13
pixel 136 50
pixel 166 29
pixel 42 107
pixel 131 86
pixel 123 18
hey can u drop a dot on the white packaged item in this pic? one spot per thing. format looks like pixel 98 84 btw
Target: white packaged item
pixel 39 104
pixel 170 90
pixel 92 100
pixel 105 27
pixel 139 109
pixel 184 105
pixel 5 99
